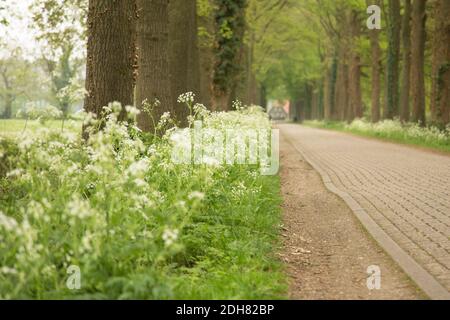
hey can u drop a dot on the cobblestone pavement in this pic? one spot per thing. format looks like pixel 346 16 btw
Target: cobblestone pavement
pixel 405 191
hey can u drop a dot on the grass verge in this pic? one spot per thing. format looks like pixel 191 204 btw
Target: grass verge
pixel 11 127
pixel 392 131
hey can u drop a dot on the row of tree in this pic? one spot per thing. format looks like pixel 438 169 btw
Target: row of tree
pixel 401 70
pixel 154 50
pixel 320 54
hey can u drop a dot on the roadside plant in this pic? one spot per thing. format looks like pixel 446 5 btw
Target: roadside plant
pixel 136 225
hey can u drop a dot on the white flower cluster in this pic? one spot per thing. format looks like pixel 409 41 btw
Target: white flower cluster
pixel 7 222
pixel 196 195
pixel 169 236
pixel 132 111
pixel 396 128
pixel 79 208
pixel 138 168
pixel 187 98
pixel 200 110
pixel 91 202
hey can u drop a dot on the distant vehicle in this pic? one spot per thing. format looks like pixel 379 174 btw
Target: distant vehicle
pixel 277 113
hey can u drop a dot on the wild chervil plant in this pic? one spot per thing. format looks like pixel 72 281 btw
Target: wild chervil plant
pixel 136 224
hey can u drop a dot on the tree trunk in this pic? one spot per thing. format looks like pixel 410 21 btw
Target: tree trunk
pixel 440 97
pixel 327 95
pixel 376 72
pixel 206 55
pixel 406 39
pixel 263 96
pixel 307 102
pixel 393 59
pixel 341 86
pixel 292 111
pixel 110 54
pixel 417 61
pixel 227 49
pixel 153 81
pixel 183 53
pixel 332 88
pixel 314 104
pixel 355 105
pixel 251 84
pixel 7 112
pixel 300 109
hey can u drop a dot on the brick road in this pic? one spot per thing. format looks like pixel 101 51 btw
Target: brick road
pixel 405 191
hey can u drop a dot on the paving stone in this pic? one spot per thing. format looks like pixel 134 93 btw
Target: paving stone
pixel 405 190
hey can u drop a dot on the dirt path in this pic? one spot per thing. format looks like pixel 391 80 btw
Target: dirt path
pixel 326 249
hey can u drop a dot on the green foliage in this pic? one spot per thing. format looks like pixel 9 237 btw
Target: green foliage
pixel 18 81
pixel 205 13
pixel 61 30
pixel 288 54
pixel 229 16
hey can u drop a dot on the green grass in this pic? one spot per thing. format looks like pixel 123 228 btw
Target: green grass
pixel 391 131
pixel 11 127
pixel 239 260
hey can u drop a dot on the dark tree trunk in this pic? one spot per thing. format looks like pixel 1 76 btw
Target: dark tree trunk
pixel 7 112
pixel 406 40
pixel 314 103
pixel 417 61
pixel 307 102
pixel 440 97
pixel 376 72
pixel 251 84
pixel 327 95
pixel 330 105
pixel 341 89
pixel 393 59
pixel 153 81
pixel 355 105
pixel 341 86
pixel 110 54
pixel 227 50
pixel 263 96
pixel 183 53
pixel 206 55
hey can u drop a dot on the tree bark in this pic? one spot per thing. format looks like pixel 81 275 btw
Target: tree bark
pixel 7 111
pixel 355 105
pixel 393 59
pixel 263 96
pixel 417 61
pixel 183 53
pixel 376 72
pixel 341 85
pixel 440 97
pixel 406 40
pixel 227 49
pixel 314 103
pixel 307 102
pixel 206 55
pixel 153 81
pixel 327 95
pixel 110 54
